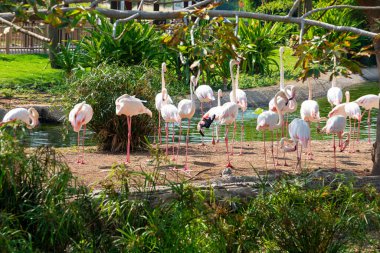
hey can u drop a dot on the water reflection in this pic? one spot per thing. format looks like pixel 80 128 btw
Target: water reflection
pixel 59 136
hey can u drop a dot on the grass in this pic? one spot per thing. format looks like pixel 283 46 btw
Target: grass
pixel 28 72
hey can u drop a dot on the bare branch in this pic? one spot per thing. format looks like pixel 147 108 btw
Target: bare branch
pixel 294 7
pixel 301 32
pixel 199 4
pixel 341 7
pixel 22 30
pixel 133 16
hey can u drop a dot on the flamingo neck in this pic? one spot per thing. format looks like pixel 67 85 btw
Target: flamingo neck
pixel 219 104
pixel 280 115
pixel 162 80
pixel 282 82
pixel 191 90
pixel 347 97
pixel 232 76
pixel 237 77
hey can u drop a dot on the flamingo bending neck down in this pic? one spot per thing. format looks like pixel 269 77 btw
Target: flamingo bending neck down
pixel 186 110
pixel 241 100
pixel 299 132
pixel 130 106
pixel 159 100
pixel 336 125
pixel 334 94
pixel 28 116
pixel 79 116
pixel 368 102
pixel 269 120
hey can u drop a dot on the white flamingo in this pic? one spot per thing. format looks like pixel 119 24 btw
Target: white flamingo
pixel 299 132
pixel 241 99
pixel 159 99
pixel 334 94
pixel 270 121
pixel 79 116
pixel 130 106
pixel 28 116
pixel 368 102
pixel 170 114
pixel 336 125
pixel 310 113
pixel 186 110
pixel 289 105
pixel 216 110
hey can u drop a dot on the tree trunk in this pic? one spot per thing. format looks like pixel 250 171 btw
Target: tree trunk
pixel 376 145
pixel 308 5
pixel 54 36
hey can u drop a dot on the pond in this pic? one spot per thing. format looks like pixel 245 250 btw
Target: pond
pixel 59 136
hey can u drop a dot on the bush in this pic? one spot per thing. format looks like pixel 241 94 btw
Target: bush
pixel 100 87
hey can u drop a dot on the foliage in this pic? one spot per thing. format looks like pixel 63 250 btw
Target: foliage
pixel 279 7
pixel 42 209
pixel 100 87
pixel 139 43
pixel 258 41
pixel 69 59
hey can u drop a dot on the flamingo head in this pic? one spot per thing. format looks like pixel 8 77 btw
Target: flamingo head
pixel 205 123
pixel 163 66
pixel 220 93
pixel 33 114
pixel 234 62
pixel 282 50
pixel 193 80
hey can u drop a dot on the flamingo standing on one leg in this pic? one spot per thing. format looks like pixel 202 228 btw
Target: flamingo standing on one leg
pixel 353 111
pixel 203 92
pixel 310 113
pixel 170 115
pixel 334 94
pixel 269 120
pixel 28 116
pixel 299 132
pixel 159 99
pixel 336 125
pixel 130 106
pixel 186 110
pixel 368 102
pixel 241 99
pixel 79 116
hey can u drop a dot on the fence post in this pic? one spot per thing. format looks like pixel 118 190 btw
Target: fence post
pixel 8 39
pixel 46 34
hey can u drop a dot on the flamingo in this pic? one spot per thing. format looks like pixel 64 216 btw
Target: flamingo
pixel 269 120
pixel 170 114
pixel 299 132
pixel 241 99
pixel 186 110
pixel 79 116
pixel 130 106
pixel 310 112
pixel 334 94
pixel 336 125
pixel 368 102
pixel 216 110
pixel 291 105
pixel 28 116
pixel 159 99
pixel 226 116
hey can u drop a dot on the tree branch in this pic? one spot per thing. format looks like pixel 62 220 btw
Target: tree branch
pixel 124 20
pixel 341 7
pixel 22 30
pixel 294 7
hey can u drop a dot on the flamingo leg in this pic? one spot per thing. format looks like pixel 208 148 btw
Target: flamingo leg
pixel 298 157
pixel 129 139
pixel 287 125
pixel 354 130
pixel 78 148
pixel 272 150
pixel 369 126
pixel 187 143
pixel 277 163
pixel 334 147
pixel 179 138
pixel 228 154
pixel 350 149
pixel 173 158
pixel 167 137
pixel 217 133
pixel 265 151
pixel 202 117
pixel 84 136
pixel 242 133
pixel 358 136
pixel 159 128
pixel 213 139
pixel 233 139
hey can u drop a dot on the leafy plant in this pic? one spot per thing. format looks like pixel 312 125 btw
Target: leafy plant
pixel 70 59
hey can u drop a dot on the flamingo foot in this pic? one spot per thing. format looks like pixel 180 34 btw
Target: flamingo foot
pixel 173 158
pixel 229 165
pixel 213 141
pixel 286 164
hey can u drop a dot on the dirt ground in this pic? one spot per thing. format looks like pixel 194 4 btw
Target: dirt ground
pixel 207 162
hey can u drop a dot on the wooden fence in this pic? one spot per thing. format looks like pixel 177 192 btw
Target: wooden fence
pixel 18 43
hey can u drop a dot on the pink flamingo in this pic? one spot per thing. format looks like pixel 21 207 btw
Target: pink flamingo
pixel 299 132
pixel 216 111
pixel 336 125
pixel 130 106
pixel 170 114
pixel 28 116
pixel 79 116
pixel 269 120
pixel 186 110
pixel 159 99
pixel 334 94
pixel 368 102
pixel 241 99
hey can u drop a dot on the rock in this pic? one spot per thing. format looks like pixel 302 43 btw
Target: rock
pixel 227 172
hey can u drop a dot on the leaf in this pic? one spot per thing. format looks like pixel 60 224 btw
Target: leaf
pixel 258 111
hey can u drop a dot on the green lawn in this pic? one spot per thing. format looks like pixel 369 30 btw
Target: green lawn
pixel 28 72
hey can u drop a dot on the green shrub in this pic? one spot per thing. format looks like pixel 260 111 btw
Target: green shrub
pixel 100 88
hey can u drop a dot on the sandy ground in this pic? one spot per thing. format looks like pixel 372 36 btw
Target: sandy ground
pixel 207 162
